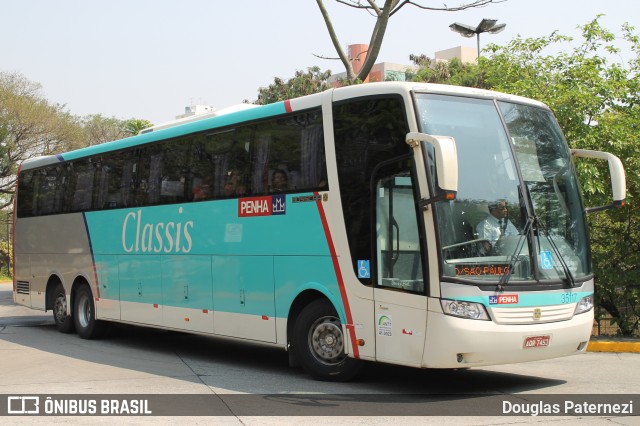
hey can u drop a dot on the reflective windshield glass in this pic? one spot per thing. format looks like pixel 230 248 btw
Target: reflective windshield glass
pixel 481 228
pixel 551 180
pixel 485 232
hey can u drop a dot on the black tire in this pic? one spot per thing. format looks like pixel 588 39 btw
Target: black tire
pixel 318 343
pixel 64 322
pixel 84 315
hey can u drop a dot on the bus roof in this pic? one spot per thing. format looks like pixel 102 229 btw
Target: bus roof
pixel 234 115
pixel 185 120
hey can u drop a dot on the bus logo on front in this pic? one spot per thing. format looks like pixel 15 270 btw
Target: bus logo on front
pixel 504 299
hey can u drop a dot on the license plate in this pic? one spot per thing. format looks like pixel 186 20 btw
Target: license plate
pixel 536 341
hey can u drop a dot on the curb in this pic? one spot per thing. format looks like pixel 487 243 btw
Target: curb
pixel 613 346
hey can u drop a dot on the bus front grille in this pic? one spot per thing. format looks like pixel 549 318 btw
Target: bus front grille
pixel 533 315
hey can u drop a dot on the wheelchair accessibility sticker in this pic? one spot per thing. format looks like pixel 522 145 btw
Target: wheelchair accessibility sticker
pixel 364 269
pixel 546 260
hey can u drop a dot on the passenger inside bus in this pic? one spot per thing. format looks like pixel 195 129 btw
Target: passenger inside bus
pixel 202 191
pixel 279 181
pixel 235 186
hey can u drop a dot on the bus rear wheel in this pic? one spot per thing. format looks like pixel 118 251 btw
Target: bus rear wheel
pixel 64 322
pixel 84 315
pixel 319 343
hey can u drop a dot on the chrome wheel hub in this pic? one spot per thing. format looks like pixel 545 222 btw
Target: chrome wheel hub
pixel 327 341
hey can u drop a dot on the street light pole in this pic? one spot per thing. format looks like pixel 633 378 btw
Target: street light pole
pixel 485 26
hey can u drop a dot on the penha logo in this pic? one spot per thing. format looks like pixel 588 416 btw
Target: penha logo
pixel 272 205
pixel 504 299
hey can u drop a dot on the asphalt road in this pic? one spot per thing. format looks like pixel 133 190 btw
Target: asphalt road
pixel 250 384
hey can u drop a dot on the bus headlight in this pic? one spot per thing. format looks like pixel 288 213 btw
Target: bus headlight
pixel 469 310
pixel 584 305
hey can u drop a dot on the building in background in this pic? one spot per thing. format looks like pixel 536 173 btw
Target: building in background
pixel 464 54
pixel 388 71
pixel 192 110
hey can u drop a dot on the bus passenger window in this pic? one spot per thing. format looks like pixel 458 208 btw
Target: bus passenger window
pixel 83 189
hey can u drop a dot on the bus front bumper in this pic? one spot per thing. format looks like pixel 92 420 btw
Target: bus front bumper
pixel 461 343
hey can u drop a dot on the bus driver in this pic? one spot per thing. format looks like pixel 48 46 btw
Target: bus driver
pixel 496 225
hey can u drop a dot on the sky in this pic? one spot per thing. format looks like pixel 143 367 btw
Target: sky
pixel 149 59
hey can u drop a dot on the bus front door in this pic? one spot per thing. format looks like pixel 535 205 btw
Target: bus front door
pixel 400 301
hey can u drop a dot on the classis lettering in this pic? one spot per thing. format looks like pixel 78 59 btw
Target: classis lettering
pixel 139 236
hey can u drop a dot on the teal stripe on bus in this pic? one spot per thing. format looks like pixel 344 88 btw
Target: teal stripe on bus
pixel 209 227
pixel 550 298
pixel 181 130
pixel 205 255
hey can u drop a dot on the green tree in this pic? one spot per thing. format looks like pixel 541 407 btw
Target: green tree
pixel 5 258
pixel 30 126
pixel 133 126
pixel 453 72
pixel 303 83
pixel 596 99
pixel 100 129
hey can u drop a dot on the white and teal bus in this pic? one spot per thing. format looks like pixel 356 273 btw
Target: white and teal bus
pixel 343 226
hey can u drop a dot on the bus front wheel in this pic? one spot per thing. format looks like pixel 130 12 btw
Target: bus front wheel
pixel 84 315
pixel 64 322
pixel 319 343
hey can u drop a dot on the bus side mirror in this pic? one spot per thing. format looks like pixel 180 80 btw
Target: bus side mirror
pixel 618 180
pixel 446 162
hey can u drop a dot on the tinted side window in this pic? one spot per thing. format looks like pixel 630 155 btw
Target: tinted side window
pixel 165 172
pixel 81 185
pixel 367 132
pixel 284 154
pixel 49 191
pixel 25 193
pixel 42 191
pixel 289 156
pixel 229 169
pixel 276 156
pixel 117 180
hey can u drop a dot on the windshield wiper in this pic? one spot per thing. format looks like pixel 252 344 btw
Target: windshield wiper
pixel 504 279
pixel 563 263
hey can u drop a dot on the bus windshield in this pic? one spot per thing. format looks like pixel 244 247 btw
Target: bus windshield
pixel 518 211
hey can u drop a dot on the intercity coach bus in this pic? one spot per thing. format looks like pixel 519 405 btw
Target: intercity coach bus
pixel 343 226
